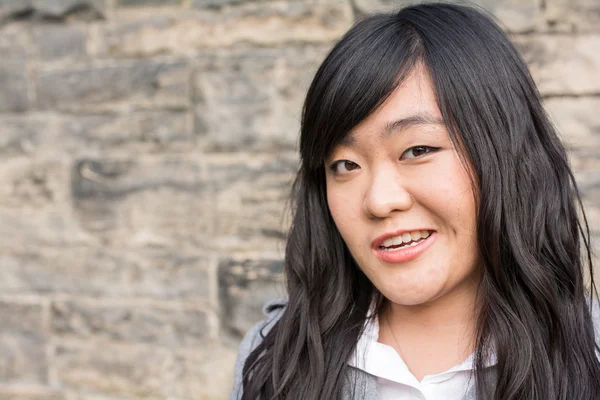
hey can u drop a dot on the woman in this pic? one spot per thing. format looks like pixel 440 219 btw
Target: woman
pixel 435 250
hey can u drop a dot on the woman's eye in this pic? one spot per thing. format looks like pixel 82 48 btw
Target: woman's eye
pixel 418 151
pixel 342 167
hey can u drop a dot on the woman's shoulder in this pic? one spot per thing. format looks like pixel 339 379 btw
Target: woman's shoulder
pixel 273 310
pixel 595 311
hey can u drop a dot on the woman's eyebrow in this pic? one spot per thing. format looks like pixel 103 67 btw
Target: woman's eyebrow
pixel 398 126
pixel 412 120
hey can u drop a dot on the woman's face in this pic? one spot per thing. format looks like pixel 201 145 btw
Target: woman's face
pixel 403 202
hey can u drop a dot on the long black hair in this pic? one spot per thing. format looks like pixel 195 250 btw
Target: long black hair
pixel 535 250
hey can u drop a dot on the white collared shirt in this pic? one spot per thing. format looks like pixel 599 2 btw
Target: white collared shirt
pixel 394 379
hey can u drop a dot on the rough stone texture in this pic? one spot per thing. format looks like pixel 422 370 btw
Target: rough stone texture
pixel 142 83
pixel 245 286
pixel 250 198
pixel 61 42
pixel 143 372
pixel 156 202
pixel 13 80
pixel 22 359
pixel 53 9
pixel 573 15
pixel 106 273
pixel 577 120
pixel 513 15
pixel 31 394
pixel 252 98
pixel 21 318
pixel 262 23
pixel 95 135
pixel 129 371
pixel 133 3
pixel 563 64
pixel 147 152
pixel 166 325
pixel 206 375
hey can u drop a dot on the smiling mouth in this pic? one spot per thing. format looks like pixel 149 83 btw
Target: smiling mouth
pixel 407 239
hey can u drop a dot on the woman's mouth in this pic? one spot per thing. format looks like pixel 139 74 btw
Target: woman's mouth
pixel 406 246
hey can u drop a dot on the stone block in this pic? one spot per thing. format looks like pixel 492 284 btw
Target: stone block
pixel 21 134
pixel 563 64
pixel 204 375
pixel 52 9
pixel 15 41
pixel 577 120
pixel 36 224
pixel 35 184
pixel 573 15
pixel 249 199
pixel 128 132
pixel 258 23
pixel 148 202
pixel 172 326
pixel 22 359
pixel 586 166
pixel 117 371
pixel 95 134
pixel 101 272
pixel 513 15
pixel 252 99
pixel 14 95
pixel 25 319
pixel 32 393
pixel 138 83
pixel 244 287
pixel 142 3
pixel 56 42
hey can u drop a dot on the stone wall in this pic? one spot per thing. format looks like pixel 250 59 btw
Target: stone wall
pixel 148 147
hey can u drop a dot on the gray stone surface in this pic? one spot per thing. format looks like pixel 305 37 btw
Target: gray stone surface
pixel 573 15
pixel 244 286
pixel 51 8
pixel 167 325
pixel 152 202
pixel 563 64
pixel 249 198
pixel 14 95
pixel 577 120
pixel 252 98
pixel 105 273
pixel 20 134
pixel 128 371
pixel 22 318
pixel 22 359
pixel 56 41
pixel 142 83
pixel 95 134
pixel 31 393
pixel 204 375
pixel 268 23
pixel 513 15
pixel 147 131
pixel 34 184
pixel 134 3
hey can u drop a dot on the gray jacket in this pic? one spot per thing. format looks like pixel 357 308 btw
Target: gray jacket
pixel 368 383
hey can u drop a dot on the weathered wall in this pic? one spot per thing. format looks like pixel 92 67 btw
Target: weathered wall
pixel 147 148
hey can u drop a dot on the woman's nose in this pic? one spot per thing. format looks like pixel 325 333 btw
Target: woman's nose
pixel 386 194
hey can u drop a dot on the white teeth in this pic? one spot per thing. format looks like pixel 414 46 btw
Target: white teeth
pixel 406 238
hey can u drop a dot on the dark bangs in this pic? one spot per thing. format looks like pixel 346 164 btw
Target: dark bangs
pixel 357 76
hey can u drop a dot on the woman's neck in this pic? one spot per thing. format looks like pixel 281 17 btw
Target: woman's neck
pixel 432 337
